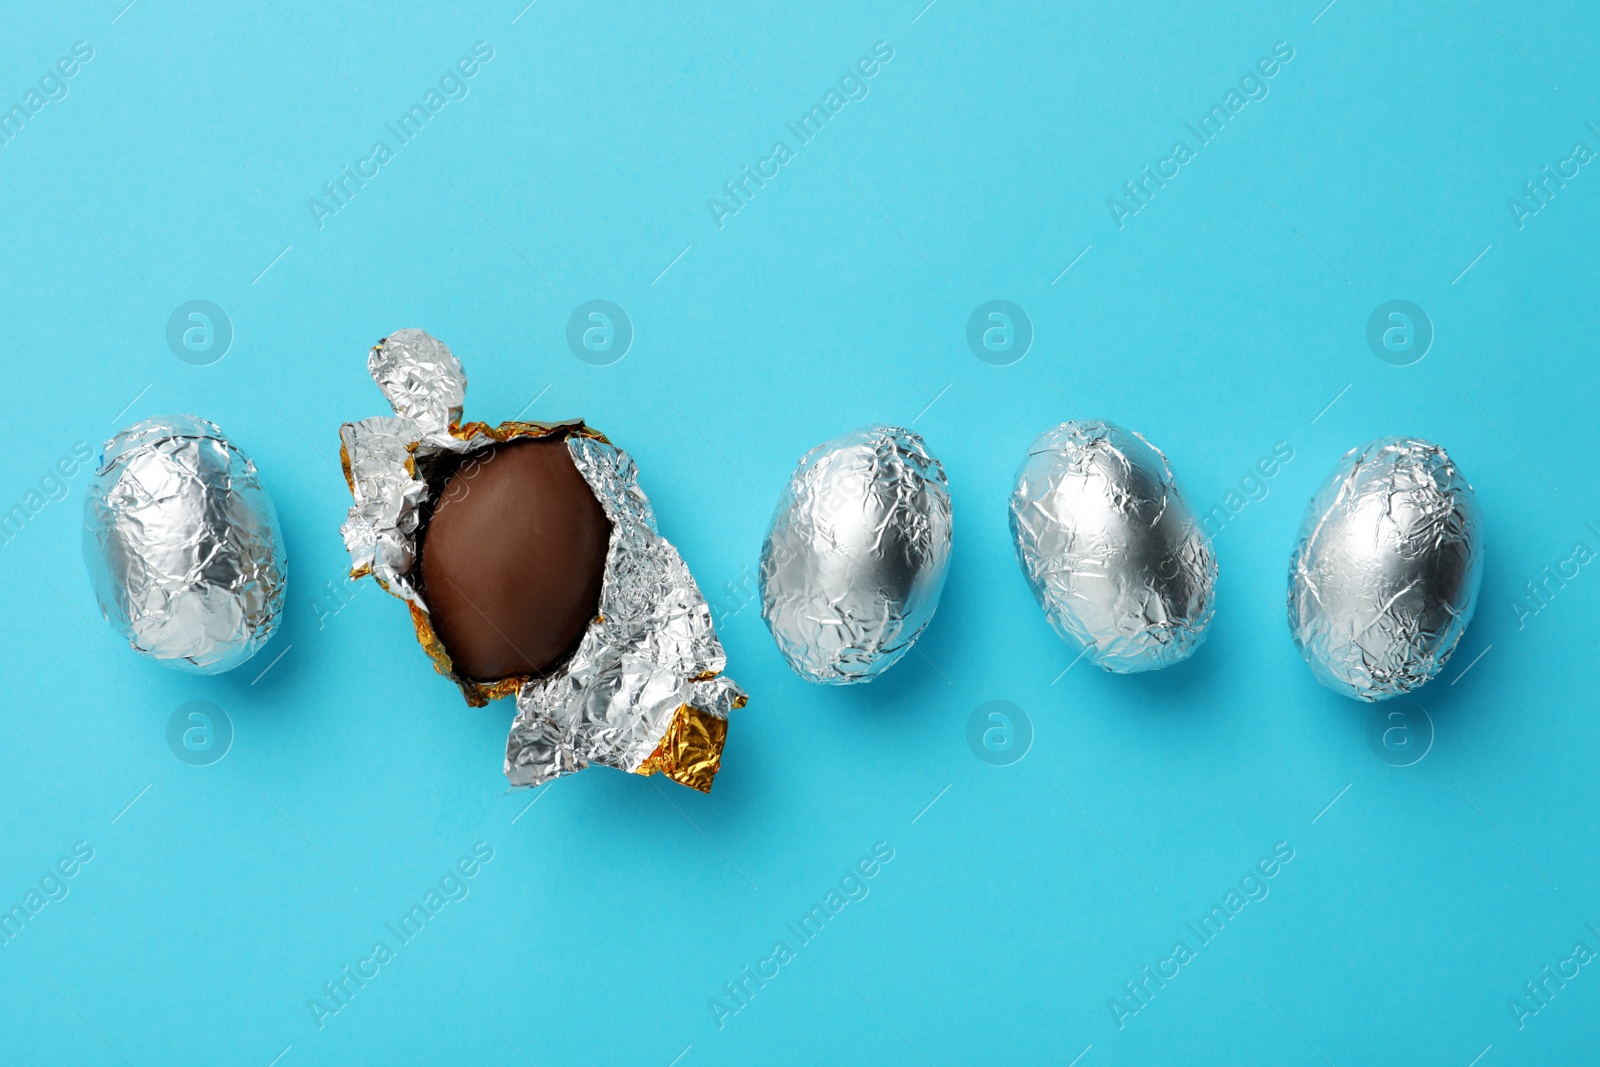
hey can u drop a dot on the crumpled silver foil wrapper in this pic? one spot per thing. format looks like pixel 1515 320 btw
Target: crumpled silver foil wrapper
pixel 643 692
pixel 183 546
pixel 1384 577
pixel 855 559
pixel 1110 549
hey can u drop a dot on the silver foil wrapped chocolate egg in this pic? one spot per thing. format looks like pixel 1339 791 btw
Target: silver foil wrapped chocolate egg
pixel 1111 551
pixel 1385 574
pixel 182 545
pixel 855 560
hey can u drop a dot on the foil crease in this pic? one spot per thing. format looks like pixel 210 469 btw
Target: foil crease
pixel 643 692
pixel 1110 549
pixel 854 562
pixel 182 545
pixel 1385 574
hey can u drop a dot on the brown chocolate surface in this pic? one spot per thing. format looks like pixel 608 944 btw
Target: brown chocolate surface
pixel 512 560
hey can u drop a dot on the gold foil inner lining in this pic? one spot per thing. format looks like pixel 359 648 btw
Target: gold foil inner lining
pixel 477 693
pixel 510 431
pixel 690 752
pixel 344 465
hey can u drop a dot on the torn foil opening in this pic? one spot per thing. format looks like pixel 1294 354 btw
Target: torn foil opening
pixel 643 692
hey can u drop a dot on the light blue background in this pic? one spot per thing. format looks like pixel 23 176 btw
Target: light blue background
pixel 1223 318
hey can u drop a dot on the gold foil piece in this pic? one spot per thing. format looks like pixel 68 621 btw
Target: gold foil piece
pixel 690 752
pixel 511 431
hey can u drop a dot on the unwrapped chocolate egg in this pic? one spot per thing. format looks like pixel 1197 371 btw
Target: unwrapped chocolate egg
pixel 1110 549
pixel 855 559
pixel 529 558
pixel 183 547
pixel 1385 574
pixel 513 558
